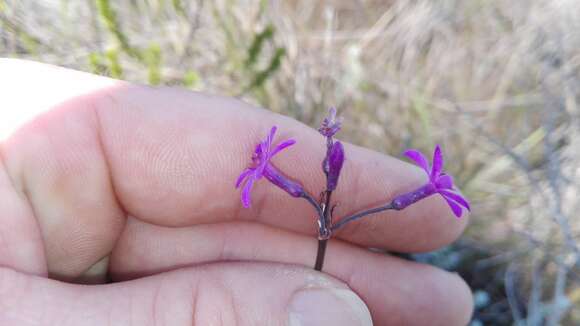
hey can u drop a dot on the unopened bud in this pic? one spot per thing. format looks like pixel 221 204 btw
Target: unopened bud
pixel 334 162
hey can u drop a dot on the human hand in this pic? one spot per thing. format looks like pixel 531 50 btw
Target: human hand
pixel 103 179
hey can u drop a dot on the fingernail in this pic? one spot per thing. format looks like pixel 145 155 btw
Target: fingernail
pixel 322 306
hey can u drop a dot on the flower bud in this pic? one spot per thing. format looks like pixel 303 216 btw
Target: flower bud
pixel 334 162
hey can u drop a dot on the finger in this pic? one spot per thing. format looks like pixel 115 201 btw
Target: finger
pixel 181 168
pixel 24 98
pixel 390 286
pixel 222 294
pixel 52 157
pixel 20 240
pixel 171 157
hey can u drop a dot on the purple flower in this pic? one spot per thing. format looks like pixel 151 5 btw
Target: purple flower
pixel 439 183
pixel 331 124
pixel 261 166
pixel 334 162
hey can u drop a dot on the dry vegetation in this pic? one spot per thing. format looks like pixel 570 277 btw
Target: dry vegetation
pixel 496 82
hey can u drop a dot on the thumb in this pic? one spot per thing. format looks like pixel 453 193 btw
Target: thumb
pixel 217 294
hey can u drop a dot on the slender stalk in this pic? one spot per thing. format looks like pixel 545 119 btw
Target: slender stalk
pixel 320 254
pixel 322 212
pixel 326 211
pixel 325 219
pixel 315 204
pixel 361 214
pixel 324 232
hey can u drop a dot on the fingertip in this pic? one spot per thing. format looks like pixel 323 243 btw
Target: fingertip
pixel 440 228
pixel 419 294
pixel 331 306
pixel 463 305
pixel 446 295
pixel 454 291
pixel 288 295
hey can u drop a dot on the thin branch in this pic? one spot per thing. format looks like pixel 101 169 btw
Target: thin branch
pixel 314 204
pixel 360 215
pixel 511 293
pixel 320 254
pixel 535 315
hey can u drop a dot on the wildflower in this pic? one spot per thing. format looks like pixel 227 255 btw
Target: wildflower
pixel 334 150
pixel 439 183
pixel 261 166
pixel 331 124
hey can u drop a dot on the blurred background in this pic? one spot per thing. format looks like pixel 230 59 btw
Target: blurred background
pixel 495 81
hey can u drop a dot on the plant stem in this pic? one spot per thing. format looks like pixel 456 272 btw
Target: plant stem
pixel 315 204
pixel 326 211
pixel 320 254
pixel 324 232
pixel 361 214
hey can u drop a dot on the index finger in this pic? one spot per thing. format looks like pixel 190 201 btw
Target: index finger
pixel 172 157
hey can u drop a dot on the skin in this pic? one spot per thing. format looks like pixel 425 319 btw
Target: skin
pixel 103 179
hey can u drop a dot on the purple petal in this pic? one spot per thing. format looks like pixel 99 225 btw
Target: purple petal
pixel 269 140
pixel 282 145
pixel 258 150
pixel 454 206
pixel 259 170
pixel 246 192
pixel 419 158
pixel 444 181
pixel 242 176
pixel 456 197
pixel 437 163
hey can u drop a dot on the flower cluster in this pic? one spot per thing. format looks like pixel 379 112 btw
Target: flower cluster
pixel 438 182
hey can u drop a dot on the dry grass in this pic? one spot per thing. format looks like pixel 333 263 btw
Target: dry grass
pixel 496 82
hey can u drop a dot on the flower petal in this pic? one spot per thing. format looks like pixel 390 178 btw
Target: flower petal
pixel 444 181
pixel 456 197
pixel 437 163
pixel 269 140
pixel 258 150
pixel 454 206
pixel 243 175
pixel 259 172
pixel 419 158
pixel 246 192
pixel 282 145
